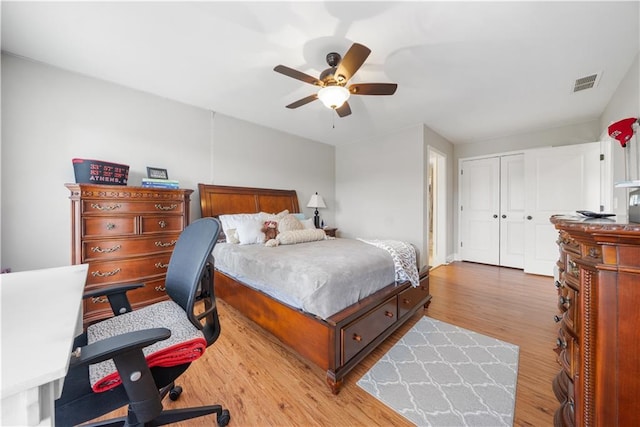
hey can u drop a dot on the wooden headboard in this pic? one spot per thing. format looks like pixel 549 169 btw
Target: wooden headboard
pixel 222 200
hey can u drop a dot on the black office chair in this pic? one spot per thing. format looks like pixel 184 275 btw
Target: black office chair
pixel 189 280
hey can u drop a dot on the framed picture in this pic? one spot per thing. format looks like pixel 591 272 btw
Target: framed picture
pixel 157 173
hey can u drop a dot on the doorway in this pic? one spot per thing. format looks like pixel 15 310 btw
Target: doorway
pixel 437 208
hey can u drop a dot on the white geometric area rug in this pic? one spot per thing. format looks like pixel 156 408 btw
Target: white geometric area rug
pixel 441 375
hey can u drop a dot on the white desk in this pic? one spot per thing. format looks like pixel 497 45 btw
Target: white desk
pixel 41 314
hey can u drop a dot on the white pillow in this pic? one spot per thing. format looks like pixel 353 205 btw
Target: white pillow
pixel 308 224
pixel 234 220
pixel 300 236
pixel 250 232
pixel 288 223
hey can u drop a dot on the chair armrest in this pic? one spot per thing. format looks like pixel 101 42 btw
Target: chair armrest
pixel 117 296
pixel 126 352
pixel 109 348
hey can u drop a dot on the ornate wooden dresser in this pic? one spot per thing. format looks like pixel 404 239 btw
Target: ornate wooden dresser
pixel 598 341
pixel 126 235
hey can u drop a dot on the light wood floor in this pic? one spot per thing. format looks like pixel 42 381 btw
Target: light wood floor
pixel 262 383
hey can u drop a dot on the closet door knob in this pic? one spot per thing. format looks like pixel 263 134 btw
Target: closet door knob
pixel 495 216
pixel 504 216
pixel 529 217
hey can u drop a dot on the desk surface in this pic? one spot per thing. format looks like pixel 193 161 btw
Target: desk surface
pixel 39 319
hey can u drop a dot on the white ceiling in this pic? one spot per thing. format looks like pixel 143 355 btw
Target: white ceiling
pixel 467 70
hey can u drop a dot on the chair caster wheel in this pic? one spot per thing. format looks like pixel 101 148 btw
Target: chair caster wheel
pixel 175 393
pixel 224 418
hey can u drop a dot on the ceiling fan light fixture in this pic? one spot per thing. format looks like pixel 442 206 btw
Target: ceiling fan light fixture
pixel 333 96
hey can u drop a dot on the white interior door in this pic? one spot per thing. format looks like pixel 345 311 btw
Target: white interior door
pixel 558 180
pixel 512 195
pixel 479 210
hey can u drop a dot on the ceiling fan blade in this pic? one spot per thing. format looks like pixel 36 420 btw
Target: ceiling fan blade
pixel 344 109
pixel 373 88
pixel 290 72
pixel 303 101
pixel 351 62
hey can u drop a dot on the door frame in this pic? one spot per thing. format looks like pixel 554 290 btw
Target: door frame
pixel 439 207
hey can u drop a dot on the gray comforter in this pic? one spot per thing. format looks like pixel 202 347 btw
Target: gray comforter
pixel 321 277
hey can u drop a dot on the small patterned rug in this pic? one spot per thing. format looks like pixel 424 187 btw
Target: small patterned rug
pixel 441 375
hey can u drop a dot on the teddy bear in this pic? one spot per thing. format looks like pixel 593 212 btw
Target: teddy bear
pixel 270 230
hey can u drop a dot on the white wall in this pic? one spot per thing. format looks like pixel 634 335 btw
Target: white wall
pixel 625 103
pixel 249 155
pixel 380 188
pixel 50 116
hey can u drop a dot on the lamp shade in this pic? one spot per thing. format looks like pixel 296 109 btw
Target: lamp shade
pixel 333 96
pixel 316 202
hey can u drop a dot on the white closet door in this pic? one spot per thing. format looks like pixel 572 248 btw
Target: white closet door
pixel 479 219
pixel 558 180
pixel 512 195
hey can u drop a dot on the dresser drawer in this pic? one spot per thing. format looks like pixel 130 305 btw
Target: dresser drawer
pixel 161 224
pixel 93 250
pixel 410 298
pixel 127 270
pixel 365 329
pixel 102 207
pixel 99 308
pixel 109 226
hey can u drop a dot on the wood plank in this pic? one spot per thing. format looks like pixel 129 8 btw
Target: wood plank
pixel 262 383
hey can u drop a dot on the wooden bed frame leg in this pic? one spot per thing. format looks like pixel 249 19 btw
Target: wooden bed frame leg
pixel 334 384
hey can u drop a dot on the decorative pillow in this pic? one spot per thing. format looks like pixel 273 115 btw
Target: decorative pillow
pixel 250 232
pixel 292 237
pixel 274 217
pixel 308 224
pixel 232 236
pixel 288 223
pixel 300 216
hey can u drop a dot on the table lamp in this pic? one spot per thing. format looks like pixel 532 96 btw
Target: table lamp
pixel 316 202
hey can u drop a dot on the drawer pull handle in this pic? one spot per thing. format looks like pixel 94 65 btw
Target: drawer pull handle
pixel 565 301
pixel 557 318
pixel 160 288
pixel 558 284
pixel 107 250
pixel 561 343
pixel 110 226
pixel 161 265
pixel 162 224
pixel 405 301
pixel 105 208
pixel 165 244
pixel 388 313
pixel 99 300
pixel 166 208
pixel 106 274
pixel 594 252
pixel 357 337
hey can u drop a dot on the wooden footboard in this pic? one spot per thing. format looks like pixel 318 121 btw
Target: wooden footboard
pixel 339 343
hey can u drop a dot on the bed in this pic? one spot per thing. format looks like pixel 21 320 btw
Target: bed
pixel 336 343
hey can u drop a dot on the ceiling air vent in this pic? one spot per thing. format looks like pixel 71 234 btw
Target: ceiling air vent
pixel 586 82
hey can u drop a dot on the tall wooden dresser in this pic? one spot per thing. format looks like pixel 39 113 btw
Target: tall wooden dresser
pixel 126 235
pixel 598 341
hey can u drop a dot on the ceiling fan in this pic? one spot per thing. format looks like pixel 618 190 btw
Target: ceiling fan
pixel 334 93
